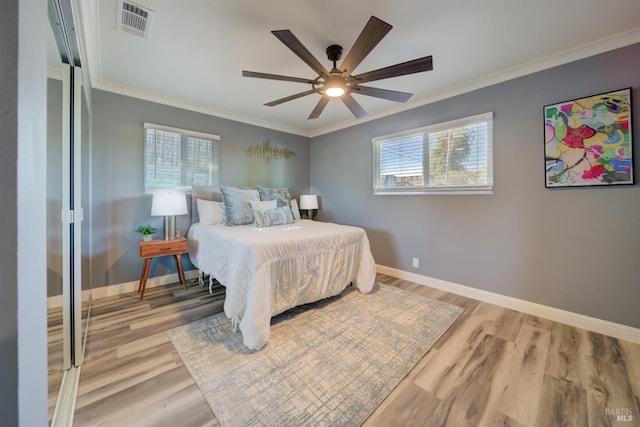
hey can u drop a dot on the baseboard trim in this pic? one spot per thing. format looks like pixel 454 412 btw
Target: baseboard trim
pixel 592 324
pixel 123 288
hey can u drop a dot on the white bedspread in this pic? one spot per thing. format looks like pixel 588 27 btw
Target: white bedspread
pixel 267 271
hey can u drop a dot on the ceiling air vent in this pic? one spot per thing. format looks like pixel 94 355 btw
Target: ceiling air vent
pixel 134 18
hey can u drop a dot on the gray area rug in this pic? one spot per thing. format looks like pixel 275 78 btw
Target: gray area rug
pixel 329 363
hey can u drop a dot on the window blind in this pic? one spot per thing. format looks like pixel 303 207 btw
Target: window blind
pixel 402 157
pixel 177 158
pixel 454 156
pixel 459 156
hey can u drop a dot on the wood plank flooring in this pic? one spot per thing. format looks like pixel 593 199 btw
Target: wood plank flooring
pixel 55 355
pixel 494 366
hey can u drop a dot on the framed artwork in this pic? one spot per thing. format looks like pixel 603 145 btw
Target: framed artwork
pixel 587 141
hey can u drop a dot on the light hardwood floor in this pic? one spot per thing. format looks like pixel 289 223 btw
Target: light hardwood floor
pixel 54 355
pixel 494 366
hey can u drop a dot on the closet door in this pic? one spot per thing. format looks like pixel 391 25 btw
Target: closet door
pixel 72 216
pixel 55 340
pixel 68 142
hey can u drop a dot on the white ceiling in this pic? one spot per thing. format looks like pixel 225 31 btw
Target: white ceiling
pixel 197 49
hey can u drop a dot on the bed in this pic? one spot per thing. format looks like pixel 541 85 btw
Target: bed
pixel 268 270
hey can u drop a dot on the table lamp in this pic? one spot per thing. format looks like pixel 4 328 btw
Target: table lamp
pixel 169 204
pixel 309 202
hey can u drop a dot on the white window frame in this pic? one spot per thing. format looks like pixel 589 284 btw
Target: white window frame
pixel 184 186
pixel 487 188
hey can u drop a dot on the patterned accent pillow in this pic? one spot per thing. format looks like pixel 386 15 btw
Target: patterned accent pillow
pixel 237 210
pixel 263 205
pixel 271 217
pixel 282 195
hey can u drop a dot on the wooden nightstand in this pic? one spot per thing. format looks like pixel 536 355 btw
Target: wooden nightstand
pixel 154 248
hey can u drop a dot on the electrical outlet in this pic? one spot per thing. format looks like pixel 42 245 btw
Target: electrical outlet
pixel 416 262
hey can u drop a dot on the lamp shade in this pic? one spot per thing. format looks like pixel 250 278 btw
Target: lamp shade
pixel 308 201
pixel 164 204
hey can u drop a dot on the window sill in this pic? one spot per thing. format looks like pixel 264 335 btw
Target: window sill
pixel 430 192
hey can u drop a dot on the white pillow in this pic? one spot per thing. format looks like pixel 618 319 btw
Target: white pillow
pixel 210 213
pixel 263 205
pixel 295 209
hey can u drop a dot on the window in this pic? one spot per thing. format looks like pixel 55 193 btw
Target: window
pixel 176 158
pixel 451 157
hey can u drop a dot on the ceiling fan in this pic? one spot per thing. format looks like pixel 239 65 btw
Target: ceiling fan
pixel 340 82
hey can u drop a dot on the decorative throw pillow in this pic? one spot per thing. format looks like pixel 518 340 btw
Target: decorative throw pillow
pixel 237 210
pixel 262 205
pixel 271 217
pixel 282 195
pixel 294 209
pixel 210 213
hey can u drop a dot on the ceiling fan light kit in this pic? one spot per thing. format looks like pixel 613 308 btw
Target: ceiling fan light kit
pixel 340 82
pixel 334 90
pixel 335 86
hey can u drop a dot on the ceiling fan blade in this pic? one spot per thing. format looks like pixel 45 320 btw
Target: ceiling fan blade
pixel 287 37
pixel 373 32
pixel 391 95
pixel 291 97
pixel 319 108
pixel 277 77
pixel 402 69
pixel 355 108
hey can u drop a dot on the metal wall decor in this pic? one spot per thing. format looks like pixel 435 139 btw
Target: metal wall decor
pixel 268 153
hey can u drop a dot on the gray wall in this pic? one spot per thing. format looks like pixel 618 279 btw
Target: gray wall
pixel 8 211
pixel 23 91
pixel 574 249
pixel 119 202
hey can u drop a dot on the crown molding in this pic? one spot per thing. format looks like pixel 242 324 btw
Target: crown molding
pixel 540 64
pixel 174 102
pixel 581 52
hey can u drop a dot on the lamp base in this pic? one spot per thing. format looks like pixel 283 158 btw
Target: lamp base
pixel 310 214
pixel 169 227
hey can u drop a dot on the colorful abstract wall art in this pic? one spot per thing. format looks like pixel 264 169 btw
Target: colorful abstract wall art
pixel 588 141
